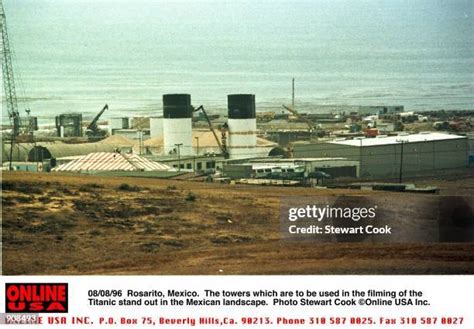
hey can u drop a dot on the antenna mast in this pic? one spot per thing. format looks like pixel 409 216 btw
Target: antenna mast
pixel 293 94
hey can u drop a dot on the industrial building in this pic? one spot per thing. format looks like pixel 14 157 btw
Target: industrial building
pixel 27 166
pixel 379 110
pixel 197 164
pixel 390 156
pixel 19 153
pixel 24 152
pixel 69 125
pixel 235 149
pixel 59 150
pixel 174 139
pixel 118 124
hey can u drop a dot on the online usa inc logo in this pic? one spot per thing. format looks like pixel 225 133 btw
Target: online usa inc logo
pixel 36 297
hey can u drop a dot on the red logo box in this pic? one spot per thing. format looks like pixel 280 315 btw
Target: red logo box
pixel 36 297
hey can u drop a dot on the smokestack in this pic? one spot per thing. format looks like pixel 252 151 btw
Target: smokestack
pixel 177 124
pixel 242 124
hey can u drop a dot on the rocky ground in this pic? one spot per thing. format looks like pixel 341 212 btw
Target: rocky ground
pixel 71 224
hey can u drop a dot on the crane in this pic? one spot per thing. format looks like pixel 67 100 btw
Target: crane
pixel 93 131
pixel 9 79
pixel 310 124
pixel 222 146
pixel 9 84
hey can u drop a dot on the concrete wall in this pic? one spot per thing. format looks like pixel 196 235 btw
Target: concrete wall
pixel 471 145
pixel 324 164
pixel 118 123
pixel 237 171
pixel 471 150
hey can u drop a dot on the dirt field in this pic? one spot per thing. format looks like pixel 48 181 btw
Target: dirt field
pixel 65 224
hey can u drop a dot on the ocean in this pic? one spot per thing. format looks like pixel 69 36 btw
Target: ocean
pixel 77 55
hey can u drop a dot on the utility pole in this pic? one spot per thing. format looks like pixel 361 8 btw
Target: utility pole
pixel 179 155
pixel 140 142
pixel 293 93
pixel 197 153
pixel 360 157
pixel 197 142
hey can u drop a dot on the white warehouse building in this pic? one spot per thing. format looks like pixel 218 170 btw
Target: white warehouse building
pixel 383 156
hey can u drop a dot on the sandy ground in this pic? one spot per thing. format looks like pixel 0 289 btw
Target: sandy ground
pixel 67 224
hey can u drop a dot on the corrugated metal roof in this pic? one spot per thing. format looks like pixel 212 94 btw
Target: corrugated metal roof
pixel 112 161
pixel 61 150
pixel 407 138
pixel 21 150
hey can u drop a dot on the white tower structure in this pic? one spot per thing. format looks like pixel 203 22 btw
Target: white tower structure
pixel 177 124
pixel 242 126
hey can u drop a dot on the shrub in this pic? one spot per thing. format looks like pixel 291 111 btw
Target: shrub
pixel 8 186
pixel 149 247
pixel 65 190
pixel 129 188
pixel 191 197
pixel 94 185
pixel 90 187
pixel 44 199
pixel 95 232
